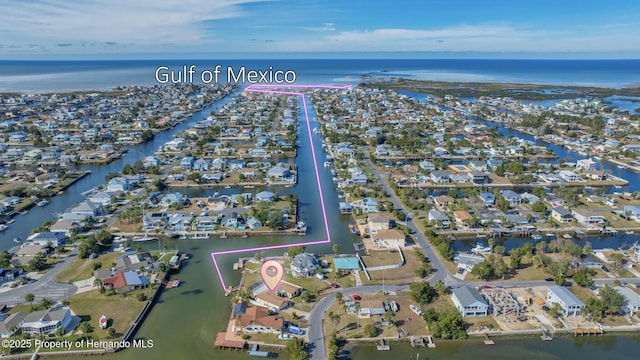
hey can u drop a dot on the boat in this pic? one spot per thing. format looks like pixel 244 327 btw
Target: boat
pixel 103 322
pixel 481 249
pixel 42 202
pixel 224 235
pixel 227 187
pixel 418 311
pixel 327 164
pixel 629 232
pixel 143 239
pixel 394 306
pixel 284 337
pixel 17 239
pixel 537 237
pixel 176 282
pixel 3 227
pixel 567 236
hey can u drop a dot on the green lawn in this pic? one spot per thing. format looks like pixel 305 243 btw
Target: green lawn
pixel 120 310
pixel 81 269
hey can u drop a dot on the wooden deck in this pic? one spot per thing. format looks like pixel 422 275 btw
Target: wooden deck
pixel 222 343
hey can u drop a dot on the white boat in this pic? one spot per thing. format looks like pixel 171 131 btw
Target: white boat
pixel 394 306
pixel 481 249
pixel 629 232
pixel 416 310
pixel 567 236
pixel 103 322
pixel 143 239
pixel 327 164
pixel 42 202
pixel 3 227
pixel 176 282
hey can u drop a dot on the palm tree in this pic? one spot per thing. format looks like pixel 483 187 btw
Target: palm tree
pixel 45 303
pixel 86 328
pixel 357 310
pixel 29 298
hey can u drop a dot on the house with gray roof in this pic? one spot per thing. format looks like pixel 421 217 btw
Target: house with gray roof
pixel 568 302
pixel 469 302
pixel 633 299
pixel 10 324
pixel 304 265
pixel 46 321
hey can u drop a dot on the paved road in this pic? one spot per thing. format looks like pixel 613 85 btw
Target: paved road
pixel 46 286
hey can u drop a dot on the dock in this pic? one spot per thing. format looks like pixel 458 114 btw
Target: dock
pixel 417 342
pixel 383 346
pixel 222 343
pixel 255 352
pixel 592 331
pixel 546 336
pixel 430 343
pixel 487 340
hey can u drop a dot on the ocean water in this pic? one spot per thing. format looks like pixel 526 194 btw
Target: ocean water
pixel 43 76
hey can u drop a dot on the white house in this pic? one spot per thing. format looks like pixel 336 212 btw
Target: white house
pixel 568 302
pixel 588 217
pixel 46 321
pixel 389 239
pixel 439 218
pixel 567 175
pixel 469 302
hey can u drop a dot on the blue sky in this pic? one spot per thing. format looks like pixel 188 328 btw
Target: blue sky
pixel 307 28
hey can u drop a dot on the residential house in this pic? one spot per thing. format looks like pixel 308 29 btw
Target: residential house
pixel 369 205
pixel 279 172
pixel 389 239
pixel 272 301
pixel 443 200
pixel 266 196
pixel 201 165
pixel 588 217
pixel 462 218
pixel 256 319
pixel 118 184
pixel 568 175
pixel 45 322
pixel 124 281
pixel 427 165
pixel 64 226
pixel 561 215
pixel 469 302
pixel 44 238
pixel 439 219
pixel 487 198
pixel 632 305
pixel 186 163
pixel 440 177
pixel 304 265
pixel 467 261
pixel 10 324
pixel 378 221
pixel 369 308
pixel 568 302
pixel 512 197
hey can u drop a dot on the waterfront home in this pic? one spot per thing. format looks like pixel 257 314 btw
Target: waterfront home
pixel 440 177
pixel 154 220
pixel 516 219
pixel 529 198
pixel 10 324
pixel 134 261
pixel 118 184
pixel 462 218
pixel 304 265
pixel 443 200
pixel 439 219
pixel 478 177
pixel 589 261
pixel 550 178
pixel 345 208
pixel 64 226
pixel 253 223
pixel 512 197
pixel 10 200
pixel 186 163
pixel 378 221
pixel 588 217
pixel 585 164
pixel 124 281
pixel 266 196
pixel 633 212
pixel 88 209
pixel 279 172
pixel 389 239
pixel 568 175
pixel 467 261
pixel 44 322
pixel 569 303
pixel 487 198
pixel 632 305
pixel 173 199
pixel 256 319
pixel 101 197
pixel 201 164
pixel 369 308
pixel 469 302
pixel 555 200
pixel 477 165
pixel 562 215
pixel 369 205
pixel 272 301
pixel 427 165
pixel 45 238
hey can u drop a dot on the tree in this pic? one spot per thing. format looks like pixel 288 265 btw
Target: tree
pixel 86 328
pixel 499 249
pixel 5 259
pixel 295 250
pixel 539 207
pixel 440 287
pixel 482 270
pixel 111 332
pixel 305 296
pixel 29 298
pixel 422 292
pixel 613 300
pixel 45 303
pixel 582 278
pixel 297 349
pixel 370 330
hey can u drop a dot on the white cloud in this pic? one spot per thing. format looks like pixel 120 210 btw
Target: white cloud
pixel 122 21
pixel 324 28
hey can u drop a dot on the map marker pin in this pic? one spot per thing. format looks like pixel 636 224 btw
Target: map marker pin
pixel 272 273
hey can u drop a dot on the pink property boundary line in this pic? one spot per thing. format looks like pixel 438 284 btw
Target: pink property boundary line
pixel 265 88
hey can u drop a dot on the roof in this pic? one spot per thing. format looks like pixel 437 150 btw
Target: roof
pixel 462 215
pixel 257 315
pixel 46 315
pixel 468 296
pixel 272 299
pixel 633 300
pixel 11 322
pixel 389 234
pixel 305 261
pixel 565 296
pixel 287 287
pixel 346 263
pixel 378 218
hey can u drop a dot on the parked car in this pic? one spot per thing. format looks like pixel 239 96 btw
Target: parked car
pixel 334 285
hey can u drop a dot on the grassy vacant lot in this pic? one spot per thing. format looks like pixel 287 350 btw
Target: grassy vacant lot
pixel 81 269
pixel 120 310
pixel 401 275
pixel 581 293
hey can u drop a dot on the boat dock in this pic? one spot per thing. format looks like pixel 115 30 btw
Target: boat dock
pixel 222 343
pixel 383 346
pixel 546 336
pixel 487 340
pixel 255 352
pixel 592 331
